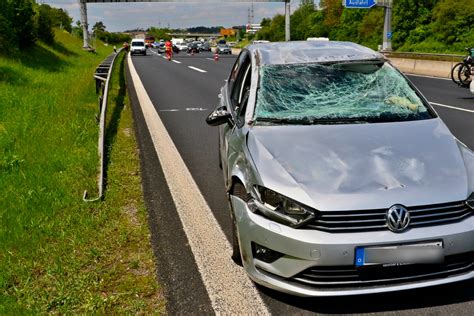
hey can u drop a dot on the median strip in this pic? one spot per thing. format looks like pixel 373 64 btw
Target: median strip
pixel 228 287
pixel 197 69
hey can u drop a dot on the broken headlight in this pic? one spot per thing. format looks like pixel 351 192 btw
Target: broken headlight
pixel 280 208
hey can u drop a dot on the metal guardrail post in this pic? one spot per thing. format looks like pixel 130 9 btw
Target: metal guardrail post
pixel 102 76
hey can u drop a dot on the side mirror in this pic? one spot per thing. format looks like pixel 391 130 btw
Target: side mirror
pixel 218 117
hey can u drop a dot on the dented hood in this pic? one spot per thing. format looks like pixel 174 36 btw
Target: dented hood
pixel 360 166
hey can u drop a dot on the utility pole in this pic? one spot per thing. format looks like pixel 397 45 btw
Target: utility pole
pixel 85 26
pixel 287 20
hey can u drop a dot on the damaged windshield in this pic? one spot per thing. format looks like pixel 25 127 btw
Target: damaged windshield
pixel 336 93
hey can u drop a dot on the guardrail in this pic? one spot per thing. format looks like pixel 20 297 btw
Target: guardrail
pixel 102 76
pixel 425 56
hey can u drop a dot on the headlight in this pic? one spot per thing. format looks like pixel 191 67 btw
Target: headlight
pixel 280 208
pixel 470 201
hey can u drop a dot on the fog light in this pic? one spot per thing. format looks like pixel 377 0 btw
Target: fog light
pixel 264 254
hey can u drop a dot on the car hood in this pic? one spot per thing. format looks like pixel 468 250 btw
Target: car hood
pixel 361 166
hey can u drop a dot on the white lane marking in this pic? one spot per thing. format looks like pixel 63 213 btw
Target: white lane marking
pixel 187 109
pixel 196 109
pixel 197 69
pixel 431 77
pixel 210 59
pixel 230 290
pixel 175 61
pixel 452 107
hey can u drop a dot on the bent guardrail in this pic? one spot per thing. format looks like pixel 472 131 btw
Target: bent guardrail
pixel 102 77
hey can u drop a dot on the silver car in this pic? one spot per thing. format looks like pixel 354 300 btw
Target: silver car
pixel 342 179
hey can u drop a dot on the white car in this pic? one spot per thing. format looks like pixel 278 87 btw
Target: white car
pixel 182 46
pixel 138 47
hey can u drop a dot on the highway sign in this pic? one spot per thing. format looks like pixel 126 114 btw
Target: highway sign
pixel 359 4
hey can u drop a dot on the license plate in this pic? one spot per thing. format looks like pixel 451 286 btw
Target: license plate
pixel 419 253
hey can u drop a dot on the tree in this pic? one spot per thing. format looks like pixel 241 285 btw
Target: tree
pixel 45 30
pixel 454 22
pixel 159 33
pixel 98 27
pixel 6 31
pixel 60 18
pixel 23 22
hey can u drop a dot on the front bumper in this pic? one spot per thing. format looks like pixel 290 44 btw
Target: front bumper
pixel 304 249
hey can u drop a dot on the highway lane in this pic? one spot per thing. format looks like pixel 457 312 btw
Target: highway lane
pixel 444 92
pixel 183 97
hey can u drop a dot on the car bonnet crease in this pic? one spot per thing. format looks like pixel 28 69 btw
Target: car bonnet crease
pixel 360 166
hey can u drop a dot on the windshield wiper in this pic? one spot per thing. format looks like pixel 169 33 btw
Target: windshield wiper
pixel 289 121
pixel 310 120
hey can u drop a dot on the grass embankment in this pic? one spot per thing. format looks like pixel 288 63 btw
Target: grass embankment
pixel 57 253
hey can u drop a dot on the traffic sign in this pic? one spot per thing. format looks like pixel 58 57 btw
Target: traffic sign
pixel 389 35
pixel 359 4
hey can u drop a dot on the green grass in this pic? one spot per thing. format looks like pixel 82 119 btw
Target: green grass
pixel 57 253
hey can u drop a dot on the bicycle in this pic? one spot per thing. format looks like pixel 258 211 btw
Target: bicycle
pixel 462 71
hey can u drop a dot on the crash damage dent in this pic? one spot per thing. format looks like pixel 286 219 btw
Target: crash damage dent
pixel 337 167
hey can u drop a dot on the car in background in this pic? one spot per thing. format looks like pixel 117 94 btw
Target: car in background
pixel 182 46
pixel 160 48
pixel 223 49
pixel 205 47
pixel 340 176
pixel 138 46
pixel 193 48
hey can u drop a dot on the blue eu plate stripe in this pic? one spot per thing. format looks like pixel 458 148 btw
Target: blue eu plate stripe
pixel 359 262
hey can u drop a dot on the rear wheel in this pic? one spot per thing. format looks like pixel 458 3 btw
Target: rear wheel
pixel 238 190
pixel 464 75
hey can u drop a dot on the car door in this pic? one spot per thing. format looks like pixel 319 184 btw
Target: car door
pixel 236 103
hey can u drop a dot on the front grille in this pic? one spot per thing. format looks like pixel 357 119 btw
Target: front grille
pixel 365 220
pixel 350 276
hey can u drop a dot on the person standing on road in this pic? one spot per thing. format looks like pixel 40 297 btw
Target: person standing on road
pixel 169 50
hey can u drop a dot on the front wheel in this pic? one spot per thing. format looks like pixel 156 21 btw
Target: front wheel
pixel 238 190
pixel 455 73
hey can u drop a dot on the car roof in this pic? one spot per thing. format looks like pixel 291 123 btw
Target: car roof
pixel 138 40
pixel 300 52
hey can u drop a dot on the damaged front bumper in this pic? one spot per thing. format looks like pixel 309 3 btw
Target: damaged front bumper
pixel 307 262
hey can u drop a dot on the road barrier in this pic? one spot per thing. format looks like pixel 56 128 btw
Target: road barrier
pixel 102 77
pixel 436 65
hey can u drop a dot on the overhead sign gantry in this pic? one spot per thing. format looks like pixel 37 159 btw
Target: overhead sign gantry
pixel 83 4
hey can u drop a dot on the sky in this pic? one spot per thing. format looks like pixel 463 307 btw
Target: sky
pixel 125 16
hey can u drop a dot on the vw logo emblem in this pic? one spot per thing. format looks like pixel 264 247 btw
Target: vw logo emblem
pixel 398 218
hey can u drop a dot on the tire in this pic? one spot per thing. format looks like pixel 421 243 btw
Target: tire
pixel 238 190
pixel 455 73
pixel 464 75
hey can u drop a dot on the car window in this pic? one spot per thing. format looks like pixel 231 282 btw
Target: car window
pixel 242 81
pixel 235 70
pixel 337 93
pixel 138 44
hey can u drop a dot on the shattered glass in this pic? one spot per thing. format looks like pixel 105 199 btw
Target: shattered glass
pixel 336 93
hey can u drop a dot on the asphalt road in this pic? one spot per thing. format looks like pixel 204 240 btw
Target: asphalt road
pixel 183 92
